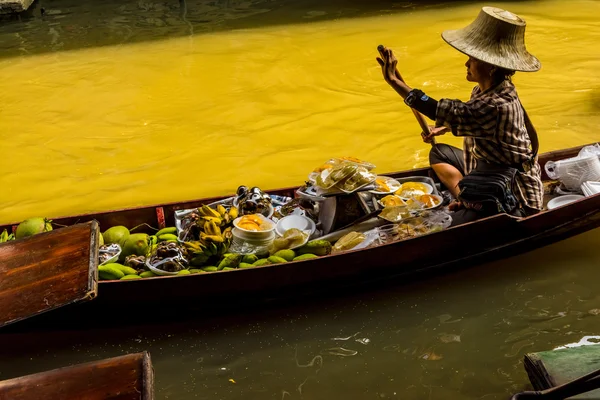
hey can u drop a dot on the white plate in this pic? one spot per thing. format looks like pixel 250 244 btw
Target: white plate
pixel 295 221
pixel 427 186
pixel 564 200
pixel 383 205
pixel 394 185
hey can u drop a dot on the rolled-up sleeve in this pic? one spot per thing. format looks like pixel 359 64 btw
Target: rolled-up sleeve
pixel 476 117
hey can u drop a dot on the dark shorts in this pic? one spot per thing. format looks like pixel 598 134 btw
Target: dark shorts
pixel 445 154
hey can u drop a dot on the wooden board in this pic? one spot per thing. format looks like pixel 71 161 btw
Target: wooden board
pixel 129 377
pixel 47 271
pixel 14 6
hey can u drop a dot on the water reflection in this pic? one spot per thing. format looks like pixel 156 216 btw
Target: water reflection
pixel 67 25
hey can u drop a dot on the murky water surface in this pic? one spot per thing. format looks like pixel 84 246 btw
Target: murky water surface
pixel 115 104
pixel 458 336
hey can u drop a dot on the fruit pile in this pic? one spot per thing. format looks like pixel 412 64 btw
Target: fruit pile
pixel 124 255
pixel 207 238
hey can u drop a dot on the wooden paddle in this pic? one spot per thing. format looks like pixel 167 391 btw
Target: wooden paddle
pixel 418 116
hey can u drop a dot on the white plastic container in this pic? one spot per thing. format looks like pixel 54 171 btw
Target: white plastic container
pixel 256 235
pixel 295 221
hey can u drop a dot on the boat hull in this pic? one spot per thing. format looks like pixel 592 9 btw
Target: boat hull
pixel 484 240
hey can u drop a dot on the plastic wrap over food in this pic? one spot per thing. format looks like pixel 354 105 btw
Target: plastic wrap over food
pixel 573 172
pixel 330 177
pixel 427 222
pixel 359 179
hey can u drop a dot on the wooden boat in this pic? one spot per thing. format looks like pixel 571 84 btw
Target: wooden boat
pixel 483 240
pixel 129 377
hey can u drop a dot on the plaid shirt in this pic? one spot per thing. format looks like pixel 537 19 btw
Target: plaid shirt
pixel 493 125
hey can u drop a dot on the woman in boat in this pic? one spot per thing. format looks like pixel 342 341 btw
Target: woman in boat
pixel 498 136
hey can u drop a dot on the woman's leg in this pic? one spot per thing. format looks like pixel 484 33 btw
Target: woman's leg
pixel 449 176
pixel 447 163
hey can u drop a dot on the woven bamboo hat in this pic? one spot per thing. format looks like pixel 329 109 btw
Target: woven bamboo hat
pixel 496 37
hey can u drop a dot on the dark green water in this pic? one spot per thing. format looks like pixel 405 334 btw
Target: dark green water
pixel 458 336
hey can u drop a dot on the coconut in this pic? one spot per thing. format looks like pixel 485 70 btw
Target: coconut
pixel 32 226
pixel 136 244
pixel 116 234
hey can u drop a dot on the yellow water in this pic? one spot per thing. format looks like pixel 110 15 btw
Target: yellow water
pixel 180 117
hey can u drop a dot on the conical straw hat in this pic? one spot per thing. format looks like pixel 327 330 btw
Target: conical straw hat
pixel 497 37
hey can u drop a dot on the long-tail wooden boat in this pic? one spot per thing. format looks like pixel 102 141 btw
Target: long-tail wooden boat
pixel 490 238
pixel 129 377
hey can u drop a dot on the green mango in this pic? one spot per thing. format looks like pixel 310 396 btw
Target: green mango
pixel 306 256
pixel 287 255
pixel 136 244
pixel 318 247
pixel 261 262
pixel 276 260
pixel 116 234
pixel 148 274
pixel 249 258
pixel 230 261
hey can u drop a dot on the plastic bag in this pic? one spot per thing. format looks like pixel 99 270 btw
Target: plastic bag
pixel 573 172
pixel 109 254
pixel 167 259
pixel 593 150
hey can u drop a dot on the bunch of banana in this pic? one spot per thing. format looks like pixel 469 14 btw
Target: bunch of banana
pixel 212 244
pixel 221 216
pixel 5 237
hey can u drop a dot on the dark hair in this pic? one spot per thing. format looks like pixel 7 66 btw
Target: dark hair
pixel 503 74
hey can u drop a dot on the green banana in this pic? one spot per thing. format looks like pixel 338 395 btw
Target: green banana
pixel 109 273
pixel 170 229
pixel 167 236
pixel 214 249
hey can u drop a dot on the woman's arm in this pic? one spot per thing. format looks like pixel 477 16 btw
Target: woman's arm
pixel 477 117
pixel 416 98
